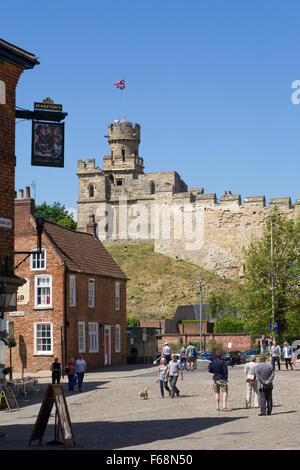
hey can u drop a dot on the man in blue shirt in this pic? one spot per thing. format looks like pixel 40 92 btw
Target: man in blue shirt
pixel 218 367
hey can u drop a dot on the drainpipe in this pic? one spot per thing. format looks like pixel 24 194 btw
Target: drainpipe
pixel 64 333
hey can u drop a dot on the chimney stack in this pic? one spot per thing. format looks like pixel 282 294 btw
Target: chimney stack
pixel 92 226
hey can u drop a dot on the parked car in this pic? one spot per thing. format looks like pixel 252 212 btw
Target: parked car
pixel 248 353
pixel 233 357
pixel 206 355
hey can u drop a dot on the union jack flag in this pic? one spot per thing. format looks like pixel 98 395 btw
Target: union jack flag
pixel 120 84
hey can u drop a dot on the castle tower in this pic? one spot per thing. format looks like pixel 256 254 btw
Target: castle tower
pixel 124 139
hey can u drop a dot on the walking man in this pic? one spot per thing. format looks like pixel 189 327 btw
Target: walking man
pixel 263 345
pixel 56 371
pixel 275 352
pixel 265 374
pixel 174 369
pixel 190 356
pixel 218 367
pixel 80 365
pixel 166 352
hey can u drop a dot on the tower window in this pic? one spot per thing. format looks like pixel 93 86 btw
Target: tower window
pixel 119 182
pixel 152 188
pixel 123 155
pixel 91 191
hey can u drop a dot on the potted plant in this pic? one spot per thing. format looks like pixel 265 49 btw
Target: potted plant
pixel 7 370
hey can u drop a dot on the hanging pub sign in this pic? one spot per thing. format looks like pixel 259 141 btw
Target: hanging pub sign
pixel 47 144
pixel 49 105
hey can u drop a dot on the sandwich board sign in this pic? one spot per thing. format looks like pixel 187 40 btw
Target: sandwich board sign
pixel 7 395
pixel 54 395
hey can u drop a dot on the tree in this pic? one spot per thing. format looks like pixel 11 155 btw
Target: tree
pixel 222 303
pixel 56 213
pixel 257 292
pixel 229 324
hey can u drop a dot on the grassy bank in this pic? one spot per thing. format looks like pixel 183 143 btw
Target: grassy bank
pixel 158 284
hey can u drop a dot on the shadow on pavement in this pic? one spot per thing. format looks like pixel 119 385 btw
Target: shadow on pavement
pixel 33 399
pixel 110 435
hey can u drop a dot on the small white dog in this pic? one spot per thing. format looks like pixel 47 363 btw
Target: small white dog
pixel 144 394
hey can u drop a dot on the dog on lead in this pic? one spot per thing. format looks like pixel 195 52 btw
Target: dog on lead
pixel 144 394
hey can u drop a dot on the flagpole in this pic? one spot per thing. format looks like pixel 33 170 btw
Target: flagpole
pixel 124 101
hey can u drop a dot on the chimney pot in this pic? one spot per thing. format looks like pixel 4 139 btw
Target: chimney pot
pixel 27 192
pixel 21 193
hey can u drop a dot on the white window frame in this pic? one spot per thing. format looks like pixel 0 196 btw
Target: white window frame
pixel 117 338
pixel 2 92
pixel 91 292
pixel 81 337
pixel 72 286
pixel 117 296
pixel 93 333
pixel 41 257
pixel 37 351
pixel 42 276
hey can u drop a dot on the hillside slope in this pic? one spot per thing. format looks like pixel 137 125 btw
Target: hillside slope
pixel 158 284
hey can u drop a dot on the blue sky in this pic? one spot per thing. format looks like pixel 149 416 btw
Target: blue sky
pixel 209 81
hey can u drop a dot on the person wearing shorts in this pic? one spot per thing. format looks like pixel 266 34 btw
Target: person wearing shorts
pixel 218 367
pixel 190 357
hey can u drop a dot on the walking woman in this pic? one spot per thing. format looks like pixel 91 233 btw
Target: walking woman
pixel 162 377
pixel 71 372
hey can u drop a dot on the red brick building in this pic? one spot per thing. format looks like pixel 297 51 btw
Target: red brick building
pixel 74 300
pixel 13 61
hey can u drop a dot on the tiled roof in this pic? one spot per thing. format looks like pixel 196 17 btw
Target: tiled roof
pixel 81 252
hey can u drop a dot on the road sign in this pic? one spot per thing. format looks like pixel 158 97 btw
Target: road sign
pixel 273 326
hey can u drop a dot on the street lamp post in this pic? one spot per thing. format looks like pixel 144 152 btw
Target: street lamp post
pixel 199 284
pixel 272 216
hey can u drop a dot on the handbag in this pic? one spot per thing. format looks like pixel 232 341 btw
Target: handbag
pixel 250 377
pixel 74 380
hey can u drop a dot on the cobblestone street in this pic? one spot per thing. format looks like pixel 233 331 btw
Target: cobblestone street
pixel 109 414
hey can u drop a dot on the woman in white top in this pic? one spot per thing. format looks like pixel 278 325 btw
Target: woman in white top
pixel 251 391
pixel 162 377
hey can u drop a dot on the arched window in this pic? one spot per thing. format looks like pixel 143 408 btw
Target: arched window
pixel 91 190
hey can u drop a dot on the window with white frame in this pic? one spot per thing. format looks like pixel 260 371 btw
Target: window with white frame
pixel 43 338
pixel 91 293
pixel 43 291
pixel 93 337
pixel 2 92
pixel 117 295
pixel 72 291
pixel 81 336
pixel 38 260
pixel 118 338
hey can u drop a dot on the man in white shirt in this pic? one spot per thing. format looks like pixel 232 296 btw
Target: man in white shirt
pixel 166 352
pixel 275 352
pixel 80 365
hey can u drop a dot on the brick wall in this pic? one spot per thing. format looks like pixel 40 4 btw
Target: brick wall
pixel 239 341
pixel 9 74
